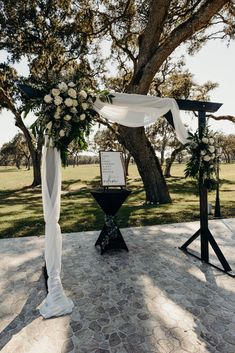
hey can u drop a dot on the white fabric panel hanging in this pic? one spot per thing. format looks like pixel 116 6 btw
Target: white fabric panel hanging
pixel 135 110
pixel 56 302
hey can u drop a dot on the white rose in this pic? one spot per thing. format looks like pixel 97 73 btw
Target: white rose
pixel 203 153
pixel 51 143
pixel 55 92
pixel 71 84
pixel 63 87
pixel 72 93
pixel 211 141
pixel 68 102
pixel 205 140
pixel 213 156
pixel 83 94
pixel 84 106
pixel 67 117
pixel 73 110
pixel 48 98
pixel 75 103
pixel 57 114
pixel 62 133
pixel 212 149
pixel 58 100
pixel 82 116
pixel 49 125
pixel 206 158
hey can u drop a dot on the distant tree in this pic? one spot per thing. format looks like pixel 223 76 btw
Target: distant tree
pixel 15 152
pixel 107 140
pixel 47 35
pixel 176 82
pixel 6 155
pixel 227 145
pixel 160 134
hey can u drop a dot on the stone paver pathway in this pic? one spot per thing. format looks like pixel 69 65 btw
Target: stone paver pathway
pixel 152 299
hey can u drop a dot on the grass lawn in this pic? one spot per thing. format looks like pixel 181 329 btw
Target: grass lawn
pixel 21 207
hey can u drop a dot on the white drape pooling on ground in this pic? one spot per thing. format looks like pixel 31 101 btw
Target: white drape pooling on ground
pixel 56 302
pixel 135 110
pixel 131 110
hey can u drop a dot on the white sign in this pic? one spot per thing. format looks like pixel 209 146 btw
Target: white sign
pixel 112 169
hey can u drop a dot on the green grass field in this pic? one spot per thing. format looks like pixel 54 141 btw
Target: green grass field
pixel 21 207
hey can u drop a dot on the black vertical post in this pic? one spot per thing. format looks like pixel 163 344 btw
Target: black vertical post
pixel 217 200
pixel 203 199
pixel 206 237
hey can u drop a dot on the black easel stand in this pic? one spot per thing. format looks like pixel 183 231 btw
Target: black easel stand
pixel 205 234
pixel 110 200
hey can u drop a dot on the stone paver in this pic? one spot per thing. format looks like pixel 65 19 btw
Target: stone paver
pixel 154 299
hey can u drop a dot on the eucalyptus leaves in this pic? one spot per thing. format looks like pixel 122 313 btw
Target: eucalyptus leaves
pixel 203 158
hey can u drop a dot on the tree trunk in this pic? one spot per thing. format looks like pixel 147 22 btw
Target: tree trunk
pixel 167 171
pixel 127 161
pixel 162 157
pixel 28 163
pixel 147 163
pixel 36 162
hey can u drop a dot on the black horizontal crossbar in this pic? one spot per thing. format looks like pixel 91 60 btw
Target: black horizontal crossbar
pixel 190 105
pixel 187 104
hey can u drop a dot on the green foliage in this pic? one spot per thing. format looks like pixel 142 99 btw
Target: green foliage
pixel 202 164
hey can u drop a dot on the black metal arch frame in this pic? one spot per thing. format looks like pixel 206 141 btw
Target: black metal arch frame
pixel 206 237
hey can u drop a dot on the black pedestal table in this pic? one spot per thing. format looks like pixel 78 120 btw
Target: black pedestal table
pixel 110 201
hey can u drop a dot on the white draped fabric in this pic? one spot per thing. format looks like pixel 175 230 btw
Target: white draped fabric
pixel 56 302
pixel 126 109
pixel 135 110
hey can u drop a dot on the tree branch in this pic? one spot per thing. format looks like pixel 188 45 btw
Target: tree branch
pixel 189 27
pixel 18 120
pixel 149 39
pixel 222 117
pixel 184 31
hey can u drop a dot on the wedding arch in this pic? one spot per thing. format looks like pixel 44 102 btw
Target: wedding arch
pixel 132 110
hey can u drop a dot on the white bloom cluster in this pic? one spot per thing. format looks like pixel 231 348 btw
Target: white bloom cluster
pixel 203 158
pixel 208 153
pixel 65 105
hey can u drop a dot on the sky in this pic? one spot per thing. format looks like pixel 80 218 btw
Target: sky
pixel 214 62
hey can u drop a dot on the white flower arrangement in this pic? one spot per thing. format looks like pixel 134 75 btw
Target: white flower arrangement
pixel 65 112
pixel 202 164
pixel 66 107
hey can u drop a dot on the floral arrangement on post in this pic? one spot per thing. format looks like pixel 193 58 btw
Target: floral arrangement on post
pixel 65 112
pixel 203 158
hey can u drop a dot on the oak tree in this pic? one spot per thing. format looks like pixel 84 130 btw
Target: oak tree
pixel 144 33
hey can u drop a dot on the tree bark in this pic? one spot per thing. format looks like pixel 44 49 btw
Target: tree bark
pixel 36 153
pixel 36 162
pixel 127 161
pixel 147 163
